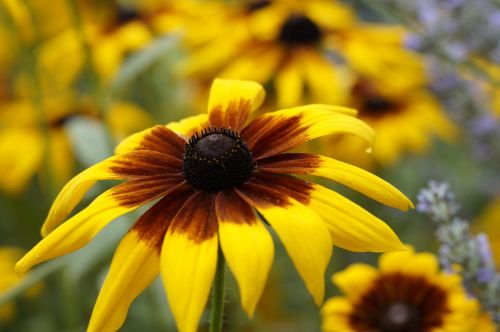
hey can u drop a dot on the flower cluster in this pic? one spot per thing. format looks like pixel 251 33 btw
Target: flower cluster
pixel 460 251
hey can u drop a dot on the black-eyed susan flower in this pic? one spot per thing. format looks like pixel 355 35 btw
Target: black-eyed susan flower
pixel 405 122
pixel 208 175
pixel 9 278
pixel 277 42
pixel 408 293
pixel 305 49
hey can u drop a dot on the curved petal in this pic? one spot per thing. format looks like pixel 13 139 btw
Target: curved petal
pixel 421 264
pixel 322 76
pixel 72 193
pixel 355 280
pixel 352 227
pixel 134 267
pixel 344 173
pixel 277 132
pixel 187 127
pixel 189 259
pixel 81 228
pixel 158 138
pixel 247 247
pixel 265 58
pixel 289 84
pixel 22 154
pixel 302 231
pixel 231 101
pixel 335 314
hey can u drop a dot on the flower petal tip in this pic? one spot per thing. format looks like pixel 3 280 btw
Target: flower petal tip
pixel 21 268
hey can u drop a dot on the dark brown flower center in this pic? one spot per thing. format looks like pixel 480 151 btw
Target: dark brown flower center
pixel 377 105
pixel 125 15
pixel 299 30
pixel 217 159
pixel 400 303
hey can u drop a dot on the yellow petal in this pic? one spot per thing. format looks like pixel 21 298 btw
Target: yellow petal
pixel 289 85
pixel 76 232
pixel 335 313
pixel 305 237
pixel 134 267
pixel 22 155
pixel 187 270
pixel 189 259
pixel 60 156
pixel 159 138
pixel 247 247
pixel 322 78
pixel 187 127
pixel 231 101
pixel 363 181
pixel 73 192
pixel 344 173
pixel 355 280
pixel 423 264
pixel 352 227
pixel 132 142
pixel 266 59
pixel 280 131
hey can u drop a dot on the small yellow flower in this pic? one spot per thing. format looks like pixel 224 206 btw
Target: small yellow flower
pixel 408 293
pixel 208 175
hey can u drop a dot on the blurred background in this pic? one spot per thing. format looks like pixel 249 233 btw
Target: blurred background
pixel 78 76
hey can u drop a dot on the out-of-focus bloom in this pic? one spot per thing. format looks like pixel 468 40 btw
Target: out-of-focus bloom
pixel 304 48
pixel 407 293
pixel 488 222
pixel 111 36
pixel 404 121
pixel 29 143
pixel 24 145
pixel 9 278
pixel 208 175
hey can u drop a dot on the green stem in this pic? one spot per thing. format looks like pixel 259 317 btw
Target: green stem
pixel 217 313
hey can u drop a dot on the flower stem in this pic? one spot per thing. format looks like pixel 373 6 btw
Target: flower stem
pixel 218 288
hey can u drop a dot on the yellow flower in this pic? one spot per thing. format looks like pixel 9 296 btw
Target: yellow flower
pixel 274 41
pixel 25 146
pixel 407 293
pixel 306 49
pixel 208 175
pixel 404 122
pixel 9 278
pixel 112 36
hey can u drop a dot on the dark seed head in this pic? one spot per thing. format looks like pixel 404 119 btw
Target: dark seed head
pixel 217 159
pixel 400 317
pixel 125 15
pixel 299 30
pixel 377 105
